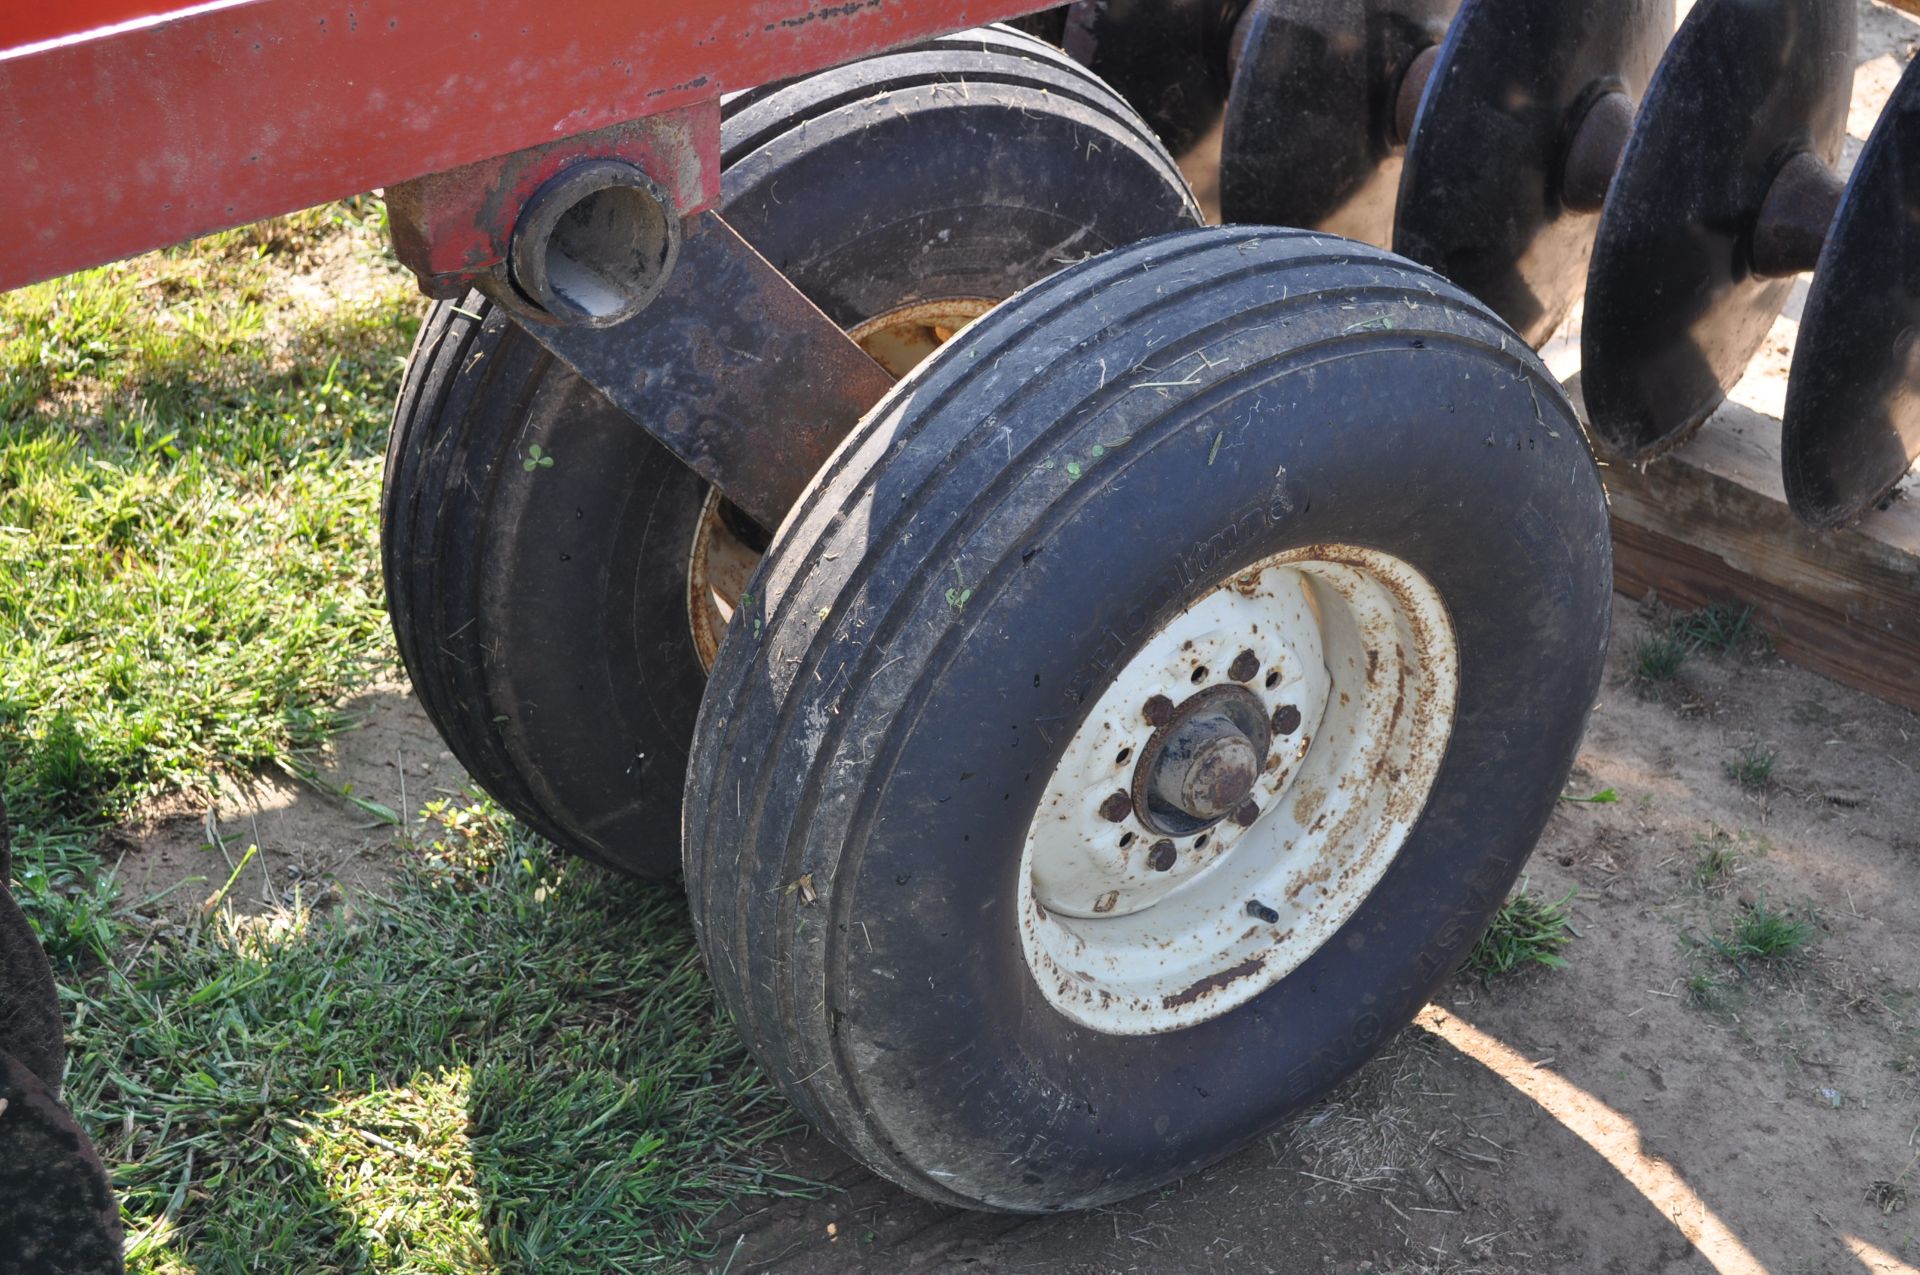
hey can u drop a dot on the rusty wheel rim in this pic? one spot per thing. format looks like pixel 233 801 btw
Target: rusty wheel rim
pixel 1238 790
pixel 723 556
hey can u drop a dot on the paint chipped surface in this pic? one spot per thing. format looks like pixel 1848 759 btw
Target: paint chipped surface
pixel 1214 982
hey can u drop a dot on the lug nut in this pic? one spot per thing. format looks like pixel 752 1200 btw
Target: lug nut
pixel 1158 710
pixel 1244 666
pixel 1116 808
pixel 1286 719
pixel 1162 857
pixel 1247 813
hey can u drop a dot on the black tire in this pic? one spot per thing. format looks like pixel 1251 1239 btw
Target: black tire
pixel 933 622
pixel 55 1198
pixel 1170 58
pixel 56 1204
pixel 30 1026
pixel 542 613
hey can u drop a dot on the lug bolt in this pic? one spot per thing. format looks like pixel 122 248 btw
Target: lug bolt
pixel 1244 666
pixel 1158 710
pixel 1161 858
pixel 1247 813
pixel 1286 719
pixel 1116 808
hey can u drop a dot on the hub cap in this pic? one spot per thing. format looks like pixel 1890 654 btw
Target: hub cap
pixel 1238 790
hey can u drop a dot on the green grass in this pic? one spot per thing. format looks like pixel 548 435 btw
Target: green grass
pixel 1660 653
pixel 189 478
pixel 1525 931
pixel 1705 991
pixel 1763 933
pixel 1717 628
pixel 1751 767
pixel 1758 935
pixel 1657 657
pixel 515 1061
pixel 1716 864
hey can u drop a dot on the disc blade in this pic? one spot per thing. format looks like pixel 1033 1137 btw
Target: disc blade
pixel 1674 311
pixel 1852 425
pixel 1309 137
pixel 1481 198
pixel 1167 58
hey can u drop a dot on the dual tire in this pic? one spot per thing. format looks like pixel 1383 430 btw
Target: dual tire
pixel 1135 721
pixel 547 611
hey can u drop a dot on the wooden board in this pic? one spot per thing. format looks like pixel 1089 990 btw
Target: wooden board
pixel 1709 525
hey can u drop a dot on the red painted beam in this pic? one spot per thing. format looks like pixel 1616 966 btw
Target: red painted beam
pixel 119 139
pixel 23 24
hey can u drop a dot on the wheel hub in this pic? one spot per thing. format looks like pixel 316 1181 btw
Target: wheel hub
pixel 1204 763
pixel 1208 770
pixel 1241 785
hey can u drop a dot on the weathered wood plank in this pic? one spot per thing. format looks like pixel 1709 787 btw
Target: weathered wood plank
pixel 1708 524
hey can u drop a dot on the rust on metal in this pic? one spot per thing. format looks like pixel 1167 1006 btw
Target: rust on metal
pixel 1214 982
pixel 901 338
pixel 1202 760
pixel 1245 665
pixel 718 569
pixel 1378 705
pixel 1117 807
pixel 453 229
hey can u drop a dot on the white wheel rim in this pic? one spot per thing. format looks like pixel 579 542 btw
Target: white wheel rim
pixel 1126 937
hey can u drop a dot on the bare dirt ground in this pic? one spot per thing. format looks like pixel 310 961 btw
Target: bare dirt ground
pixel 330 836
pixel 1603 1117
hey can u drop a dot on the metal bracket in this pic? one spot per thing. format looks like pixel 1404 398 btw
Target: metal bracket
pixel 732 368
pixel 455 229
pixel 588 242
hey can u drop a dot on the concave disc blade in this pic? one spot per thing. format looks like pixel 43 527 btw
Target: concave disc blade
pixel 1852 424
pixel 1674 310
pixel 1309 135
pixel 1167 58
pixel 1480 198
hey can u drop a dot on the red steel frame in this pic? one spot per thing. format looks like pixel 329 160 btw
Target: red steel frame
pixel 127 125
